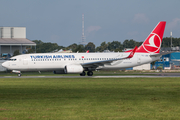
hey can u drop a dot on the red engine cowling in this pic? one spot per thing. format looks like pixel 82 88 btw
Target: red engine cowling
pixel 73 69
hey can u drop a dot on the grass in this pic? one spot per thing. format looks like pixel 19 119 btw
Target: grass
pixel 90 98
pixel 96 73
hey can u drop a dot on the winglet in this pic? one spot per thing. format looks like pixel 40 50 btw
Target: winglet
pixel 132 53
pixel 87 51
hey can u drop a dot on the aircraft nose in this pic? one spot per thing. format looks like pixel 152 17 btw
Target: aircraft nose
pixel 5 64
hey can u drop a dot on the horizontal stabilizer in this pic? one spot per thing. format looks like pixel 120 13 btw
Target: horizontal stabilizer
pixel 162 53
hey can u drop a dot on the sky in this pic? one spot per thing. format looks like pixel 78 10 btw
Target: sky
pixel 60 21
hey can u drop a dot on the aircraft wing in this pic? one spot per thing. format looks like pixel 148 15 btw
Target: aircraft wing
pixel 100 63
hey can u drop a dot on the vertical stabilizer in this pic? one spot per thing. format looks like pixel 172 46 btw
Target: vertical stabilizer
pixel 153 42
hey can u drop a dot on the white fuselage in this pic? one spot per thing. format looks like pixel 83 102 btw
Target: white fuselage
pixel 57 61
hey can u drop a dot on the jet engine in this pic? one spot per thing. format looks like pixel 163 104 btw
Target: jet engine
pixel 73 69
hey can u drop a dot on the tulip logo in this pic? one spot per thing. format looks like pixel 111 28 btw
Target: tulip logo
pixel 152 44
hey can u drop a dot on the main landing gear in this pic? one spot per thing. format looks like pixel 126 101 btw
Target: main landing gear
pixel 82 74
pixel 89 73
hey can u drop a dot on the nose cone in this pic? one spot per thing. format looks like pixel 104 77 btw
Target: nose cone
pixel 5 64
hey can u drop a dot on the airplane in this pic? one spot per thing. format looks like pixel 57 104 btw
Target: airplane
pixel 64 63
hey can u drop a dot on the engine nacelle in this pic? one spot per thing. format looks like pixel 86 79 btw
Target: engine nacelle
pixel 59 72
pixel 73 69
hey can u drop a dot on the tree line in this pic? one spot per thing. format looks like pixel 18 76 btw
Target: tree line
pixel 42 47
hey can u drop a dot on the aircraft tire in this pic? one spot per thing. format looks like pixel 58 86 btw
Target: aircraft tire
pixel 89 73
pixel 19 75
pixel 83 73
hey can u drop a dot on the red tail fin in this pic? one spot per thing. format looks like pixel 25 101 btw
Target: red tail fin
pixel 152 44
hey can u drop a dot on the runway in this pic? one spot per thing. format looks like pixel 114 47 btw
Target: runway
pixel 150 75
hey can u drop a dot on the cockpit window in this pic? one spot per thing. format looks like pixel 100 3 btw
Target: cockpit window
pixel 12 59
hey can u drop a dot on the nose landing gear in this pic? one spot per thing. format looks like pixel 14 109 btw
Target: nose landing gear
pixel 19 74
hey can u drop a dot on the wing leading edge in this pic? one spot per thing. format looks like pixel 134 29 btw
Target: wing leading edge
pixel 100 63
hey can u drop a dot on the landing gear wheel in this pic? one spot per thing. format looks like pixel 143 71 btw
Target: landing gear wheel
pixel 89 73
pixel 19 74
pixel 83 74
